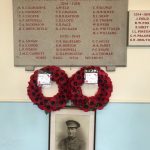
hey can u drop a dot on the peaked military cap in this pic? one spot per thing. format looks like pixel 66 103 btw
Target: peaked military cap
pixel 73 124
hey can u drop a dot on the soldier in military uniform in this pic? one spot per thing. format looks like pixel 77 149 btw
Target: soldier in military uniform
pixel 72 142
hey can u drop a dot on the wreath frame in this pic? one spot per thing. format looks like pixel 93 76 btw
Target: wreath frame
pixel 55 102
pixel 91 103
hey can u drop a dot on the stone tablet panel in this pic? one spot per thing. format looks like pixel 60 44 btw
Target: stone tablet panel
pixel 70 32
pixel 139 28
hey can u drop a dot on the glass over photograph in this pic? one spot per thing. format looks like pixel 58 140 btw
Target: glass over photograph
pixel 72 129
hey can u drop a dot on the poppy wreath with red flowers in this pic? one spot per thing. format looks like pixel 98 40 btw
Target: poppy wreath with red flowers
pixel 56 102
pixel 99 100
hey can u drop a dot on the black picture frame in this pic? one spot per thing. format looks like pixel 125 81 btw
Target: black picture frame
pixel 58 129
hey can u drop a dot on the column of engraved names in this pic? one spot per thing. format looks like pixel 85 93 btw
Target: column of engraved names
pixel 29 18
pixel 68 38
pixel 30 21
pixel 103 27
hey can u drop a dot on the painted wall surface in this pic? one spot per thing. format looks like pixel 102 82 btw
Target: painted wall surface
pixel 123 126
pixel 23 127
pixel 131 83
pixel 120 126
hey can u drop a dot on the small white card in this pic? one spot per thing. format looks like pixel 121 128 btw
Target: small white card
pixel 44 79
pixel 91 77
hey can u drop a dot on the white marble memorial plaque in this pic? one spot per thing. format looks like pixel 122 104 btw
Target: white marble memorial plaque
pixel 139 28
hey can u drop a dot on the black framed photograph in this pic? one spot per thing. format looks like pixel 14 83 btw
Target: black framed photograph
pixel 72 129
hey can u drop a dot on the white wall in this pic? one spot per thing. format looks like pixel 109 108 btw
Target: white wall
pixel 131 83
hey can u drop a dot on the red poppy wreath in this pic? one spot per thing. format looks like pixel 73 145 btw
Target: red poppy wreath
pixel 56 102
pixel 99 100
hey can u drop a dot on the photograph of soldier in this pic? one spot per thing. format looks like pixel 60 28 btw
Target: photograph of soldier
pixel 72 129
pixel 72 141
